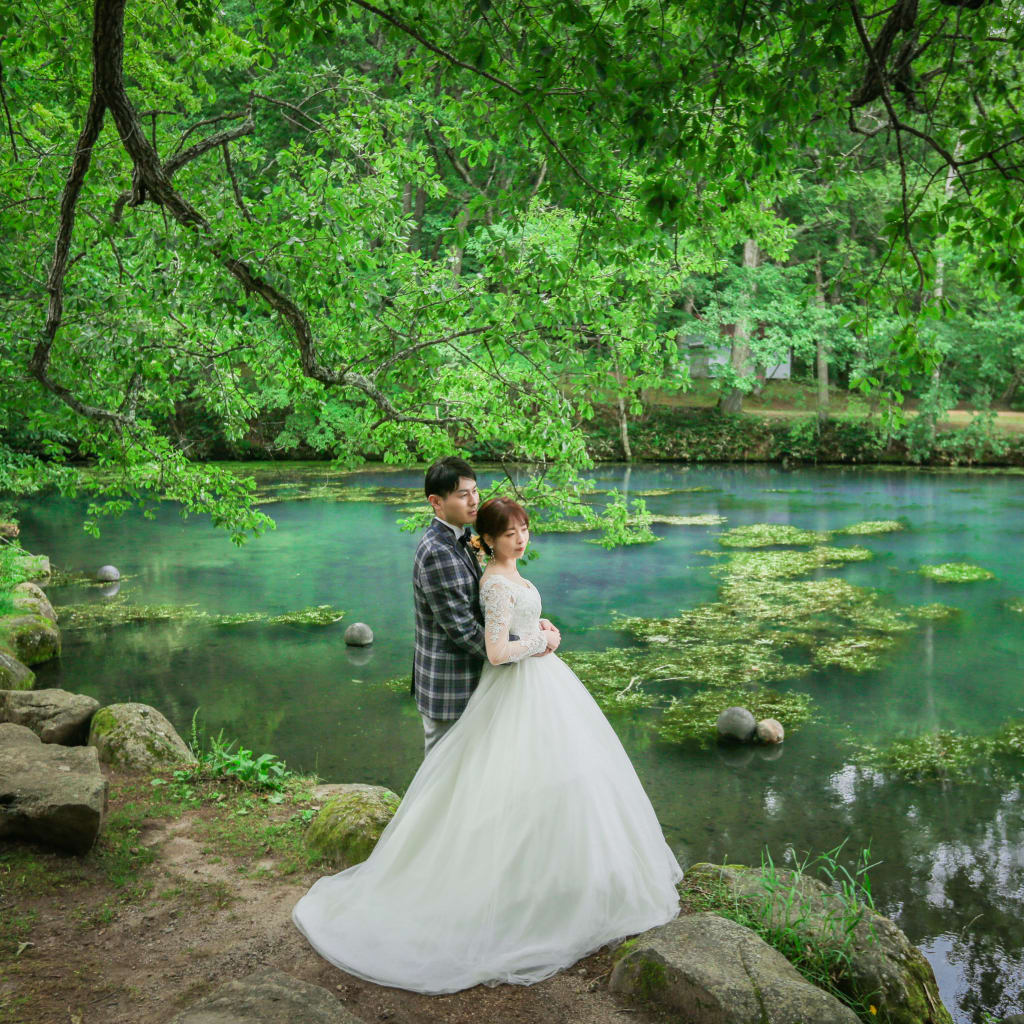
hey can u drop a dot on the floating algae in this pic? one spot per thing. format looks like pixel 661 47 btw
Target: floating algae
pixel 705 520
pixel 935 611
pixel 949 756
pixel 872 526
pixel 784 564
pixel 614 677
pixel 317 615
pixel 693 719
pixel 955 572
pixel 1016 606
pixel 766 535
pixel 121 613
pixel 940 756
pixel 857 654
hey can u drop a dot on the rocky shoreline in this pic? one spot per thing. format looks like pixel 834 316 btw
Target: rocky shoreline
pixel 64 761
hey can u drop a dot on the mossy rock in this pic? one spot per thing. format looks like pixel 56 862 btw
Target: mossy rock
pixel 33 638
pixel 137 736
pixel 14 675
pixel 883 967
pixel 349 824
pixel 27 597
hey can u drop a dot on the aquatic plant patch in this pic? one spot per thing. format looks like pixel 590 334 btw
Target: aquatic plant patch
pixel 768 626
pixel 856 654
pixel 122 613
pixel 786 564
pixel 932 611
pixel 765 535
pixel 693 719
pixel 956 572
pixel 1016 606
pixel 940 756
pixel 705 520
pixel 870 526
pixel 615 677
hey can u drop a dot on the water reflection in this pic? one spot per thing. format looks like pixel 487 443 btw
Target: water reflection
pixel 952 871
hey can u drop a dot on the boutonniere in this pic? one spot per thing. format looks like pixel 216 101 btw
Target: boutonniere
pixel 476 546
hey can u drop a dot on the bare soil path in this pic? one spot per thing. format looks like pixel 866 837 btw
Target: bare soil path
pixel 82 944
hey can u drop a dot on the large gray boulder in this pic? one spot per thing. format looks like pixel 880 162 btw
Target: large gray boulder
pixel 49 794
pixel 267 997
pixel 14 675
pixel 359 634
pixel 350 822
pixel 137 736
pixel 33 638
pixel 30 598
pixel 706 968
pixel 736 725
pixel 883 967
pixel 55 716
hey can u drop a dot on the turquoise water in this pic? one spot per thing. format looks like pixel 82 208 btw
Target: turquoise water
pixel 952 858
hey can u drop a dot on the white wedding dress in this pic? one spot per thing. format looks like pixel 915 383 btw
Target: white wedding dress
pixel 525 840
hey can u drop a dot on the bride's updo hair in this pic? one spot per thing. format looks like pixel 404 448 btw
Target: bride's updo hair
pixel 494 517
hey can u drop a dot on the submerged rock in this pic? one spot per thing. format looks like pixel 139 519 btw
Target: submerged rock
pixel 14 675
pixel 703 967
pixel 55 716
pixel 736 724
pixel 49 794
pixel 882 966
pixel 33 638
pixel 359 634
pixel 350 823
pixel 108 574
pixel 770 731
pixel 137 736
pixel 267 997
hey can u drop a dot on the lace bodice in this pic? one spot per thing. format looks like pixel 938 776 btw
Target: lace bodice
pixel 510 606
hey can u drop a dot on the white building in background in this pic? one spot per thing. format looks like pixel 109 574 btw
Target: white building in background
pixel 705 359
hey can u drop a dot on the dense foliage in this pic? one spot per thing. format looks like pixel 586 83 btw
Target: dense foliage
pixel 398 231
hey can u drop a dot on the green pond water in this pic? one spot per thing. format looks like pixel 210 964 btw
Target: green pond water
pixel 951 855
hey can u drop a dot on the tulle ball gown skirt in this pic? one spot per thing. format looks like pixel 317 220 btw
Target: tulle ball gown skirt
pixel 524 842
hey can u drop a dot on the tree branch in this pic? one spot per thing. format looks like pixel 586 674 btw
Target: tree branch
pixel 153 178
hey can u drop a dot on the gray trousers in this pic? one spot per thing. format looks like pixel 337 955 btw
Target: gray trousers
pixel 433 730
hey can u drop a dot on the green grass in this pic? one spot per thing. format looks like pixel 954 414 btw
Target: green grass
pixel 10 574
pixel 781 913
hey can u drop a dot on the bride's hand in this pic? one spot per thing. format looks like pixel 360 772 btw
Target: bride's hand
pixel 553 637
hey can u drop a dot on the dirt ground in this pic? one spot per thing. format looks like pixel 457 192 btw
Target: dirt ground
pixel 200 917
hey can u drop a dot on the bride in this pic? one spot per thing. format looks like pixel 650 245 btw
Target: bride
pixel 525 840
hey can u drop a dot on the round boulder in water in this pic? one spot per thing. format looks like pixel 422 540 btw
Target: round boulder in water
pixel 359 634
pixel 769 730
pixel 108 573
pixel 736 724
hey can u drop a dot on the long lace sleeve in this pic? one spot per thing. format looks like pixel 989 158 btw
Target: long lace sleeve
pixel 497 598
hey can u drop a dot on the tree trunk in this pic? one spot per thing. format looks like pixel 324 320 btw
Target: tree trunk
pixel 1007 396
pixel 821 346
pixel 627 452
pixel 731 401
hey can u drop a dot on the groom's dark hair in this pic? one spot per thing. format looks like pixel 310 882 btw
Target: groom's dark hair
pixel 444 475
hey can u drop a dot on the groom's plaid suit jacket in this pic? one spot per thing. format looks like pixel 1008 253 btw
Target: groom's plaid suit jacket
pixel 450 649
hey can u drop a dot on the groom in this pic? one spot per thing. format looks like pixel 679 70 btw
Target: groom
pixel 450 649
